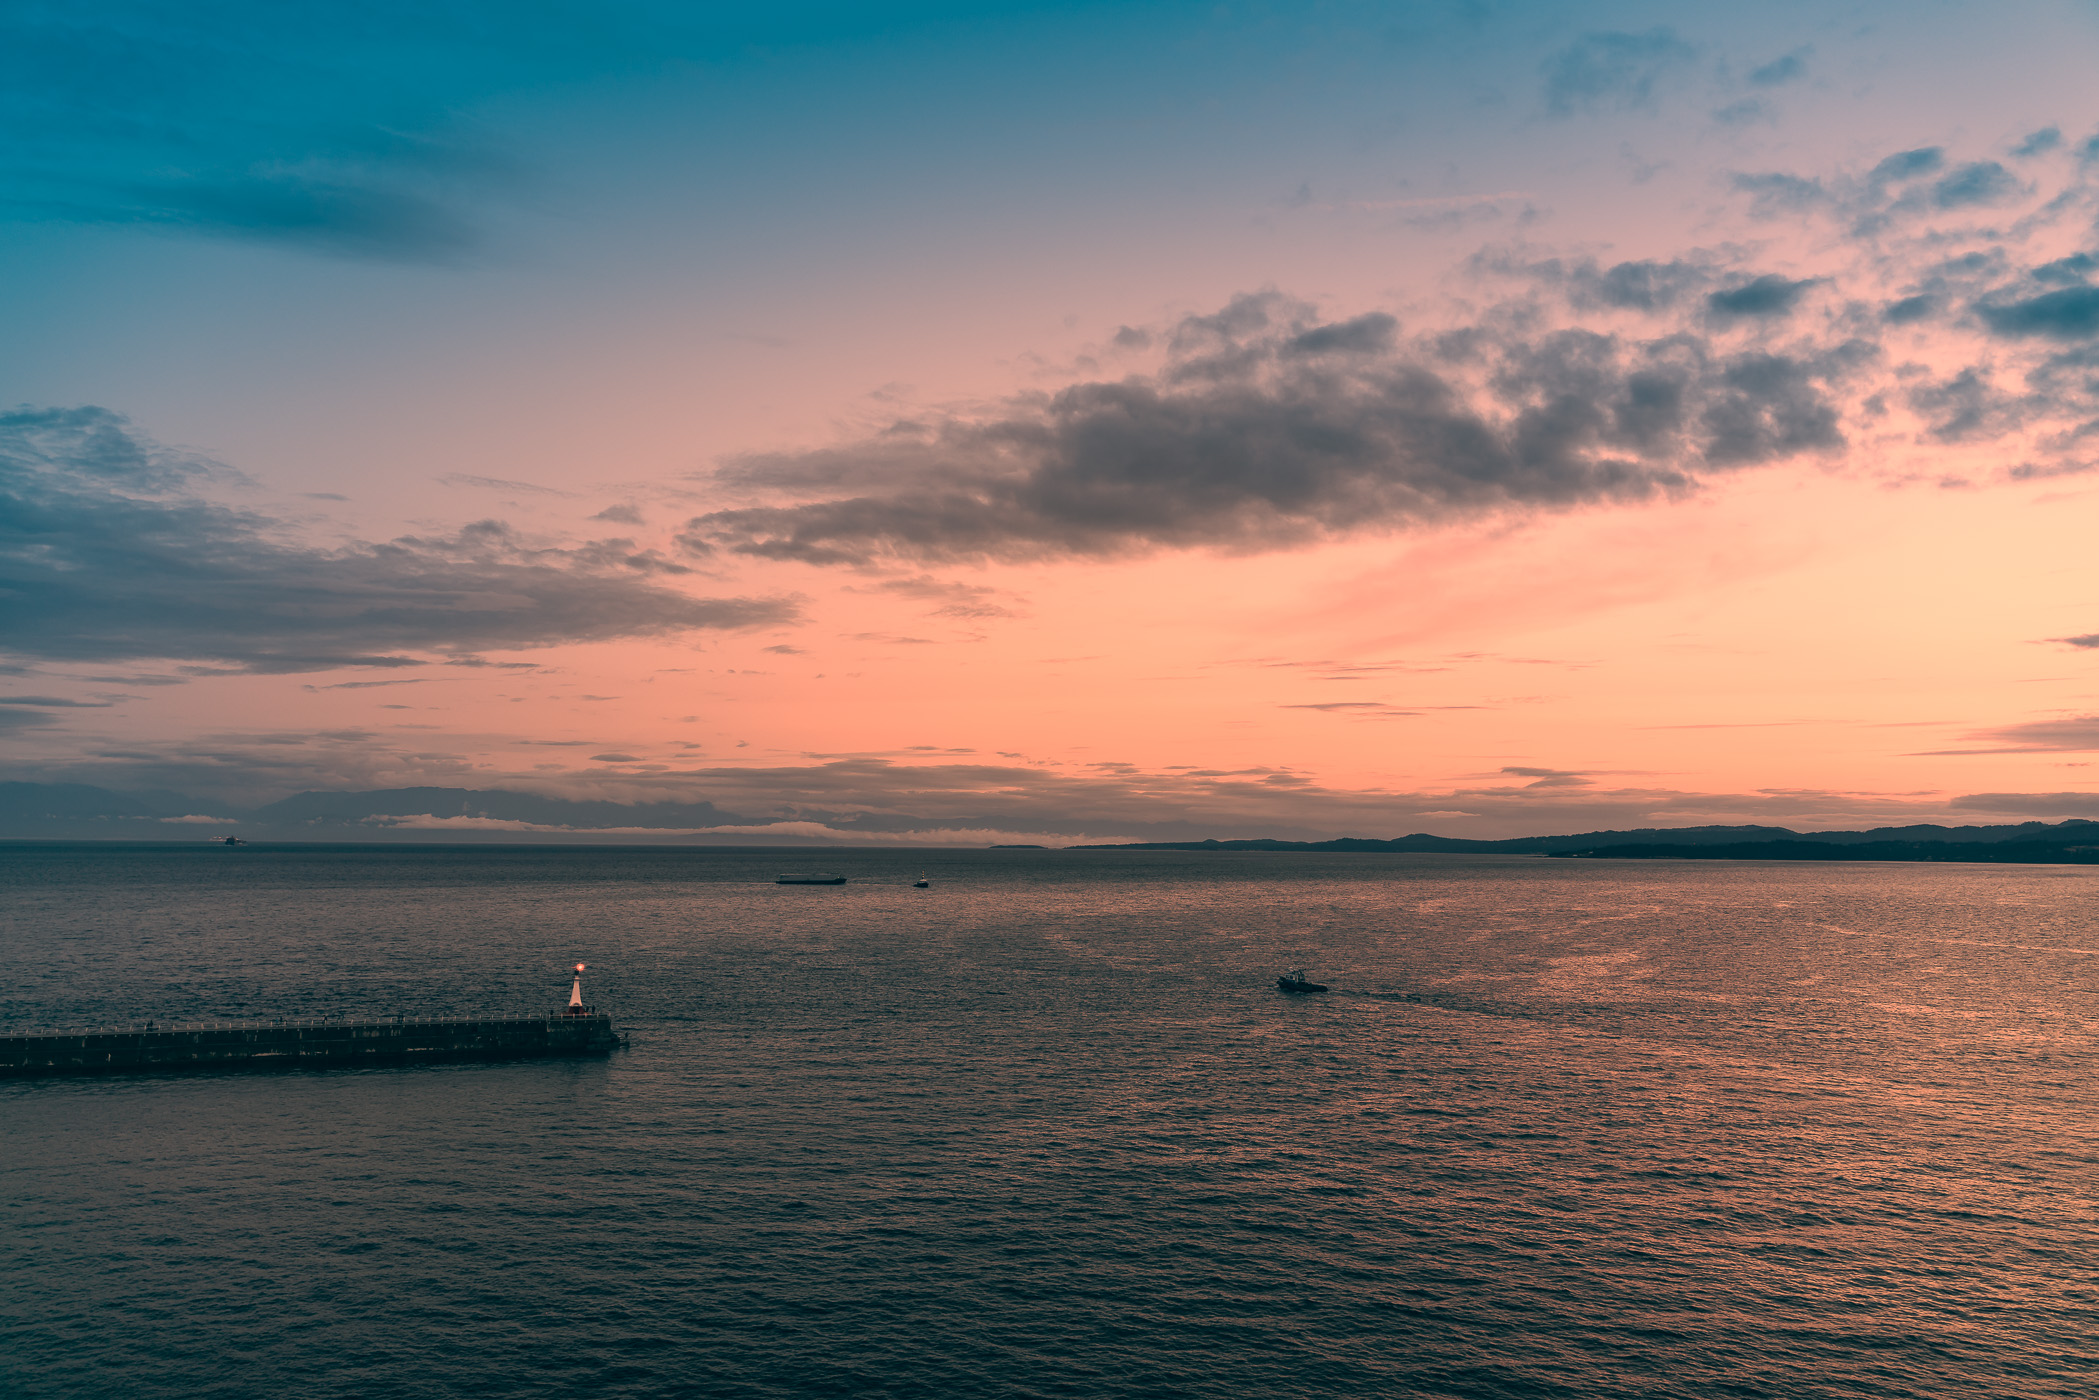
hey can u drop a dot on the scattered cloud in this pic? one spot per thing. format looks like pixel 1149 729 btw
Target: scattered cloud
pixel 2048 138
pixel 1787 68
pixel 2069 314
pixel 2072 734
pixel 1775 195
pixel 1614 71
pixel 1744 112
pixel 1769 295
pixel 1907 165
pixel 1903 190
pixel 1982 182
pixel 1963 407
pixel 343 212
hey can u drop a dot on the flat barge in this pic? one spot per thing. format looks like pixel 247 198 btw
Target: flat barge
pixel 576 1030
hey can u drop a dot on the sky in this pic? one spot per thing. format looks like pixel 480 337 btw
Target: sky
pixel 968 423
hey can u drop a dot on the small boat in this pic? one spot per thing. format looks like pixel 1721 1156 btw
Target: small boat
pixel 1296 983
pixel 233 841
pixel 810 880
pixel 921 883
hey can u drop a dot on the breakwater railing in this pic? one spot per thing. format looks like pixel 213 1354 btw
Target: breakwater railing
pixel 304 1041
pixel 287 1023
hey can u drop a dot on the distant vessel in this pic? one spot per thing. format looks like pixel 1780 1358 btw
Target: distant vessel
pixel 1296 983
pixel 233 841
pixel 810 880
pixel 921 883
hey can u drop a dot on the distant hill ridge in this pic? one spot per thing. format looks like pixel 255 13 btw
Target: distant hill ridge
pixel 2051 850
pixel 1689 842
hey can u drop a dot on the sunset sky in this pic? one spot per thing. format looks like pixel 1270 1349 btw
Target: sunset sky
pixel 1040 422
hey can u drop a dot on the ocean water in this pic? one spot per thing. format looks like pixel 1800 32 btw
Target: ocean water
pixel 1562 1128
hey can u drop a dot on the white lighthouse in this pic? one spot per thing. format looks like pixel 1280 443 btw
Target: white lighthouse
pixel 575 996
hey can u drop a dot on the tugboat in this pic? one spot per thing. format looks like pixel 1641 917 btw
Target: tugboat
pixel 1296 984
pixel 810 880
pixel 921 883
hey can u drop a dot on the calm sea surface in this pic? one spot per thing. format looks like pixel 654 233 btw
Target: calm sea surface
pixel 1562 1128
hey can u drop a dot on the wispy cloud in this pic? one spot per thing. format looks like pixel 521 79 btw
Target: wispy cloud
pixel 54 702
pixel 1614 71
pixel 255 123
pixel 2072 734
pixel 107 552
pixel 963 601
pixel 1360 709
pixel 1786 68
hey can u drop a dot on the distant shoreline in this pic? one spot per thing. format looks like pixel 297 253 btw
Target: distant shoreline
pixel 2071 842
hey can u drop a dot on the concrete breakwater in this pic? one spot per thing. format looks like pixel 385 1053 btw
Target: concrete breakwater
pixel 301 1044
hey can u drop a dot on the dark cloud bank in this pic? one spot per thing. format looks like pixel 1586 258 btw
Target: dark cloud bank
pixel 1265 426
pixel 867 799
pixel 1268 427
pixel 109 553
